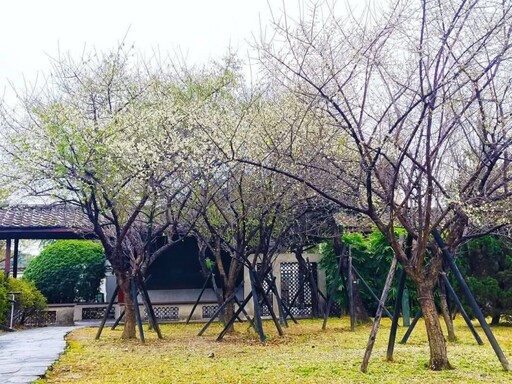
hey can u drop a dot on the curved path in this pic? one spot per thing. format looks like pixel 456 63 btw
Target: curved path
pixel 26 355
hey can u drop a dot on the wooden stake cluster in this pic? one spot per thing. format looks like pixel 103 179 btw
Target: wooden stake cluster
pixel 138 287
pixel 259 296
pixel 467 293
pixel 350 294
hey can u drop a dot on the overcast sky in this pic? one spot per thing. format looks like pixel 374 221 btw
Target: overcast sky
pixel 33 30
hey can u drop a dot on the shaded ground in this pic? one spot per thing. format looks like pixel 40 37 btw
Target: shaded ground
pixel 306 354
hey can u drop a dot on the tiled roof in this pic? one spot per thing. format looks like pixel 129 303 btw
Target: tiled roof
pixel 43 217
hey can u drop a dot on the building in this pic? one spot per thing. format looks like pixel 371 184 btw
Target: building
pixel 175 281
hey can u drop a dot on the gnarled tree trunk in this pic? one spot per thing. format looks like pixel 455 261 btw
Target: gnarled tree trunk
pixel 437 343
pixel 123 280
pixel 229 290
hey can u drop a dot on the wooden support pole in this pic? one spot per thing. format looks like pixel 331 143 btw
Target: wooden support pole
pixel 268 304
pixel 216 313
pixel 315 292
pixel 235 315
pixel 146 303
pixel 283 310
pixel 137 309
pixel 322 294
pixel 219 310
pixel 282 316
pixel 109 308
pixel 299 290
pixel 118 320
pixel 370 290
pixel 378 316
pixel 257 309
pixel 350 291
pixel 406 309
pixel 471 300
pixel 7 268
pixel 287 312
pixel 461 309
pixel 244 312
pixel 411 327
pixel 199 297
pixel 333 288
pixel 219 297
pixel 149 308
pixel 146 307
pixel 396 315
pixel 15 258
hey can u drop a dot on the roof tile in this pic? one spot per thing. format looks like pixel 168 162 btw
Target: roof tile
pixel 44 217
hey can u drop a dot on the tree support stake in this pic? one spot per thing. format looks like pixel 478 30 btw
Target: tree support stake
pixel 396 314
pixel 461 309
pixel 472 302
pixel 137 310
pixel 109 308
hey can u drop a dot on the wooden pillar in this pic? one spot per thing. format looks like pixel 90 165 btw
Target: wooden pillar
pixel 15 258
pixel 7 257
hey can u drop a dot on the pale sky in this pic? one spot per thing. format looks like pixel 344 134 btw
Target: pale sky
pixel 32 30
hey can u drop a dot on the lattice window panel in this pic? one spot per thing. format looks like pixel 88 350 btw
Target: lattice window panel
pixel 96 313
pixel 335 310
pixel 208 311
pixel 296 289
pixel 165 313
pixel 41 318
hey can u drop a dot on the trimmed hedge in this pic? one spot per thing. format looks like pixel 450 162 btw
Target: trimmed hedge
pixel 68 271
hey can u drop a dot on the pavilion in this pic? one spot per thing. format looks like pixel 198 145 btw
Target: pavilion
pixel 176 280
pixel 38 222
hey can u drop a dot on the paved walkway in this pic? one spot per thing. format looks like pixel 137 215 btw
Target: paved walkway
pixel 26 355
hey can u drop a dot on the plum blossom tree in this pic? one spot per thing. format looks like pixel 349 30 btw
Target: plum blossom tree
pixel 109 136
pixel 412 107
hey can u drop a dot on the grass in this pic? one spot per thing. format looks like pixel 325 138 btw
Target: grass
pixel 306 354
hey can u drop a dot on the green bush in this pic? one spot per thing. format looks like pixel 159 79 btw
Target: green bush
pixel 30 299
pixel 4 301
pixel 68 271
pixel 371 256
pixel 486 262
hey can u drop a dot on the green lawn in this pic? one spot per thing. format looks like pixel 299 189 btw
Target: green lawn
pixel 306 354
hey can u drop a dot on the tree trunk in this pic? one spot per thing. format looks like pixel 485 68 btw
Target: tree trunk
pixel 220 299
pixel 361 314
pixel 129 316
pixel 446 312
pixel 229 309
pixel 437 343
pixel 229 289
pixel 303 268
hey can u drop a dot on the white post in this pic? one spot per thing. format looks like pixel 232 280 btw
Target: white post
pixel 12 310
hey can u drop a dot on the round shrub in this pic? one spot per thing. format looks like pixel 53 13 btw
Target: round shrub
pixel 68 271
pixel 30 299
